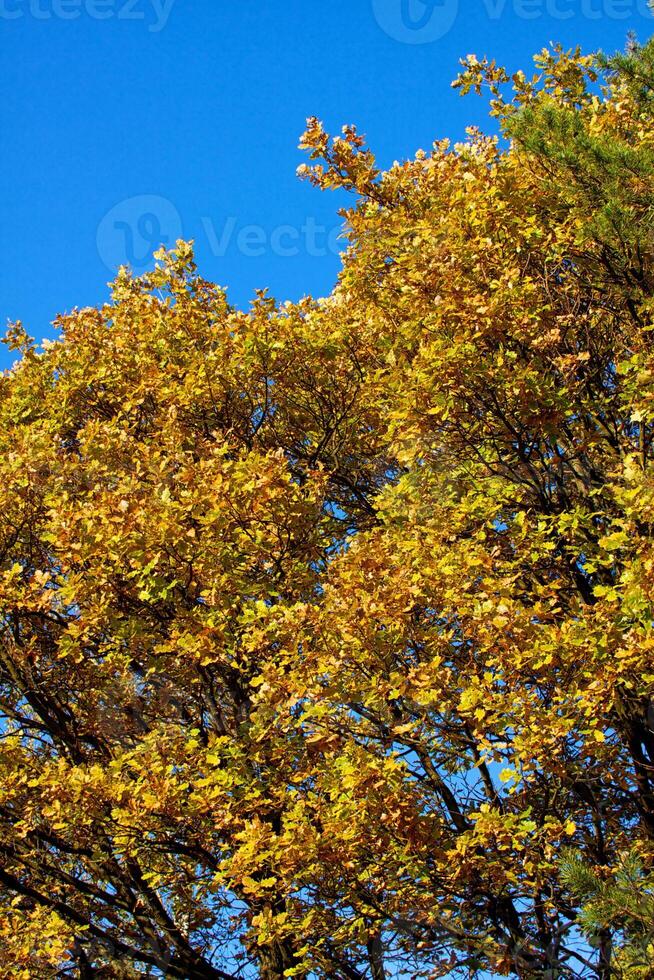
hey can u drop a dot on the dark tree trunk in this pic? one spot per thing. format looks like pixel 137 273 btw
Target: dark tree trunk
pixel 274 960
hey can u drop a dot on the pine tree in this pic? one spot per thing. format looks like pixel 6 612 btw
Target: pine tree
pixel 617 910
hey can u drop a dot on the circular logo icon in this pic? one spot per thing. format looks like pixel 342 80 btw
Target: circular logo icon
pixel 135 228
pixel 416 21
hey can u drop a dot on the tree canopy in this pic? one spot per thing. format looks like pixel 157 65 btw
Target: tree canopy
pixel 326 637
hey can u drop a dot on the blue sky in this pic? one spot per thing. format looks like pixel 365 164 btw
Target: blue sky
pixel 125 122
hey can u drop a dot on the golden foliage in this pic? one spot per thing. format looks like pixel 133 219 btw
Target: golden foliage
pixel 327 627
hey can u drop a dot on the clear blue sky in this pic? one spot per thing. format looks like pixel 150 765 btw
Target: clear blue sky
pixel 126 121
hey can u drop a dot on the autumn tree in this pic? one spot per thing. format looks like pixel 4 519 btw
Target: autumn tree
pixel 327 627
